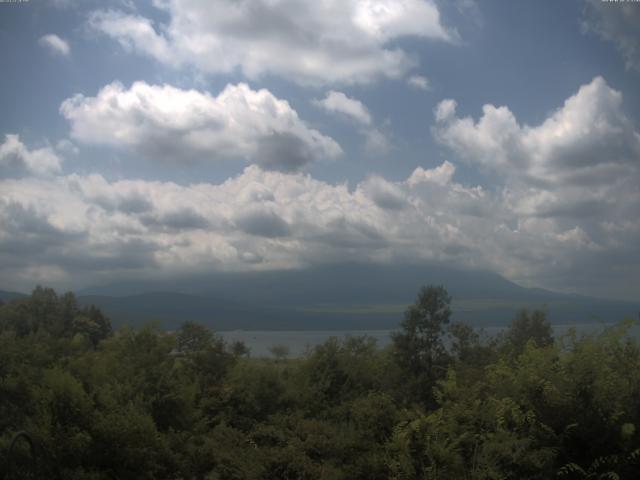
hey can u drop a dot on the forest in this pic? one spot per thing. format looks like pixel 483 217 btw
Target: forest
pixel 441 401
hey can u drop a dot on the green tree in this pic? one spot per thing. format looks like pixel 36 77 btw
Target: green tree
pixel 91 323
pixel 194 337
pixel 527 327
pixel 279 352
pixel 419 347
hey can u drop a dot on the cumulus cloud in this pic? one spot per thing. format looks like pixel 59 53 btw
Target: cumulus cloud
pixel 55 44
pixel 16 160
pixel 317 43
pixel 440 175
pixel 167 123
pixel 87 228
pixel 376 142
pixel 258 219
pixel 338 102
pixel 420 82
pixel 386 195
pixel 563 215
pixel 586 151
pixel 616 22
pixel 567 177
pixel 264 223
pixel 588 141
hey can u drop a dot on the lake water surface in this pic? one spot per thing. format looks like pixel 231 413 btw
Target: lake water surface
pixel 300 341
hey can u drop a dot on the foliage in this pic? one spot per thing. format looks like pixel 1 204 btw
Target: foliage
pixel 150 404
pixel 419 347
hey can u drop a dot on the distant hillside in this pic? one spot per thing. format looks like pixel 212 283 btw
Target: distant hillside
pixel 171 309
pixel 8 296
pixel 346 297
pixel 336 284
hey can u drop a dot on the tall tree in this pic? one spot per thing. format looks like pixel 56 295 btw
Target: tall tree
pixel 527 327
pixel 419 347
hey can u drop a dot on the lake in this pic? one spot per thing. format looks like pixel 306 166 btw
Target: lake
pixel 299 341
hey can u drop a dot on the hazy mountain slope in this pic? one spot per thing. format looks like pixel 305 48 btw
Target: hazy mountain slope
pixel 339 297
pixel 343 284
pixel 6 296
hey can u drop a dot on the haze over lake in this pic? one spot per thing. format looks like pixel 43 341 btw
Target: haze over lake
pixel 300 343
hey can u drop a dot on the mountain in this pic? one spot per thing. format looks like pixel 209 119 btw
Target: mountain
pixel 347 296
pixel 171 309
pixel 335 284
pixel 8 296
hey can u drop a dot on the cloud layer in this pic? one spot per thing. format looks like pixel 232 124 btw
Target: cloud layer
pixel 86 225
pixel 166 123
pixel 346 41
pixel 563 215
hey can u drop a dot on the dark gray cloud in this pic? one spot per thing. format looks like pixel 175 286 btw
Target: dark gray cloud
pixel 284 152
pixel 345 233
pixel 181 219
pixel 28 237
pixel 263 223
pixel 184 219
pixel 130 254
pixel 28 233
pixel 131 202
pixel 385 194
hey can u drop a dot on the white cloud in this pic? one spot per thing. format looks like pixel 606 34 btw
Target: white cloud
pixel 55 44
pixel 134 33
pixel 87 226
pixel 384 194
pixel 67 146
pixel 563 215
pixel 164 122
pixel 420 82
pixel 17 160
pixel 316 43
pixel 441 175
pixel 338 102
pixel 567 177
pixel 87 229
pixel 376 142
pixel 589 140
pixel 616 22
pixel 445 110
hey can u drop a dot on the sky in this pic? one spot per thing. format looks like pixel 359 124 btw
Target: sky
pixel 178 137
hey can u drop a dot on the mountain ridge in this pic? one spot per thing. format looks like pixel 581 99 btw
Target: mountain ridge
pixel 337 297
